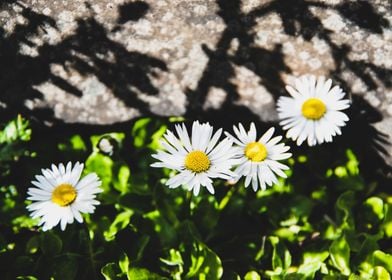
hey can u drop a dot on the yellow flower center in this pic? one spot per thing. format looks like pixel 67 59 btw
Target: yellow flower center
pixel 197 161
pixel 64 194
pixel 313 109
pixel 256 151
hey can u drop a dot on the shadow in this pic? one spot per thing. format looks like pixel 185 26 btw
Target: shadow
pixel 132 11
pixel 298 19
pixel 363 14
pixel 89 51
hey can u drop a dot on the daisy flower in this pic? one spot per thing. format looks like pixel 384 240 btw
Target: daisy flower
pixel 259 158
pixel 313 112
pixel 197 158
pixel 60 196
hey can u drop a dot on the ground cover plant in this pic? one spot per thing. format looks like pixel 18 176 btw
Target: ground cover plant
pixel 326 220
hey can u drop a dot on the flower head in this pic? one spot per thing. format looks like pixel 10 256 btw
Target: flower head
pixel 197 158
pixel 313 112
pixel 60 196
pixel 259 158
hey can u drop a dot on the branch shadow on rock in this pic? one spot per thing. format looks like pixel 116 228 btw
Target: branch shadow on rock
pixel 237 48
pixel 88 51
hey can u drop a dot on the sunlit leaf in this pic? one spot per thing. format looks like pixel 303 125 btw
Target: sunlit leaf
pixel 340 255
pixel 380 273
pixel 281 257
pixel 121 221
pixel 312 262
pixel 123 263
pixel 252 275
pixel 376 205
pixel 136 273
pixel 383 259
pixel 110 271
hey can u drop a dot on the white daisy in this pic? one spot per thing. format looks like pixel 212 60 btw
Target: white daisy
pixel 259 159
pixel 313 111
pixel 197 158
pixel 60 196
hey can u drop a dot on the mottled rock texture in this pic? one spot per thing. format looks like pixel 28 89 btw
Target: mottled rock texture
pixel 109 61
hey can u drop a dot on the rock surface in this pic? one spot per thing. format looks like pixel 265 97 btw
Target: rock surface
pixel 107 61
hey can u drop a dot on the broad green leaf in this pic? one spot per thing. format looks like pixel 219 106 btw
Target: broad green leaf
pixel 78 143
pixel 205 264
pixel 340 255
pixel 382 259
pixel 252 275
pixel 139 132
pixel 102 165
pixel 15 129
pixel 136 273
pixel 312 262
pixel 354 277
pixel 380 273
pixel 376 205
pixel 121 221
pixel 122 178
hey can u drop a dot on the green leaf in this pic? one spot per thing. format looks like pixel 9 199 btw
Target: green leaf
pixel 78 143
pixel 50 244
pixel 26 278
pixel 376 205
pixel 281 257
pixel 175 264
pixel 382 259
pixel 252 275
pixel 121 221
pixel 312 262
pixel 102 165
pixel 353 163
pixel 110 271
pixel 343 206
pixel 381 273
pixel 123 263
pixel 205 264
pixel 16 129
pixel 121 180
pixel 387 223
pixel 166 231
pixel 340 255
pixel 139 132
pixel 136 273
pixel 368 246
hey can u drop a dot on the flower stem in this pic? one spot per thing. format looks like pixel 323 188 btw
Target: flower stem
pixel 90 252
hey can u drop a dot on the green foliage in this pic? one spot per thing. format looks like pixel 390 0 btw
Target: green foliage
pixel 325 221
